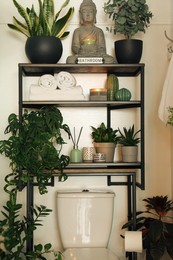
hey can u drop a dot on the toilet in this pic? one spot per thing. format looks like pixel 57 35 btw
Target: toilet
pixel 85 221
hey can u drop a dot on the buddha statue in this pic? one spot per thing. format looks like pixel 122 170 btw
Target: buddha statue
pixel 88 40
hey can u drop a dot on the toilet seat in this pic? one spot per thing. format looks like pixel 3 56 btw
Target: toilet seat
pixel 88 254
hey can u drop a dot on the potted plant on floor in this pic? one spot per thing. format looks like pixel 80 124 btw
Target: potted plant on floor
pixel 129 17
pixel 105 140
pixel 156 227
pixel 129 141
pixel 43 31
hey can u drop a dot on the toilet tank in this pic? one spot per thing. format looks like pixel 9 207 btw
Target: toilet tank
pixel 85 218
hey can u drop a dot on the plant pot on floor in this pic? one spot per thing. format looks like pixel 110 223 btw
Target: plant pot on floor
pixel 43 49
pixel 129 153
pixel 107 148
pixel 128 51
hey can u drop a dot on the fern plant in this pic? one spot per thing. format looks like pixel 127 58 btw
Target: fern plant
pixel 46 23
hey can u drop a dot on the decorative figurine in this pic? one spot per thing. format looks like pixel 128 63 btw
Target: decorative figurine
pixel 88 40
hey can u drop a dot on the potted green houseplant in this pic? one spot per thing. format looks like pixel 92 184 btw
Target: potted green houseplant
pixel 105 140
pixel 130 17
pixel 156 227
pixel 129 141
pixel 43 31
pixel 34 148
pixel 35 145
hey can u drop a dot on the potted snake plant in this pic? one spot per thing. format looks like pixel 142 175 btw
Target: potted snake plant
pixel 129 17
pixel 44 31
pixel 105 140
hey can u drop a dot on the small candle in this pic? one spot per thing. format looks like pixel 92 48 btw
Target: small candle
pixel 88 40
pixel 99 94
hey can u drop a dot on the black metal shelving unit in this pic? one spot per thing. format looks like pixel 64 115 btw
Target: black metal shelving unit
pixel 134 172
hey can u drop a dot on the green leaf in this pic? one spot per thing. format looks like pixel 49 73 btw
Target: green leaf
pixel 38 248
pixel 48 12
pixel 60 25
pixel 22 11
pixel 155 230
pixel 47 247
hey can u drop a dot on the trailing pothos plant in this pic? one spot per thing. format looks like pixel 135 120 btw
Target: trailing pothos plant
pixel 34 149
pixel 35 144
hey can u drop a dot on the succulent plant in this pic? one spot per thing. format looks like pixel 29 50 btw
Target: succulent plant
pixel 129 137
pixel 104 134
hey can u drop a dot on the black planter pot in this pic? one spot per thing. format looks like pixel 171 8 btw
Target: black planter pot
pixel 43 49
pixel 128 51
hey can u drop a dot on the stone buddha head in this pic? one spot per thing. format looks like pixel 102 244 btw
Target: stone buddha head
pixel 87 5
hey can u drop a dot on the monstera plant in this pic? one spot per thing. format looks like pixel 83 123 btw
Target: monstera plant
pixel 35 144
pixel 46 25
pixel 33 147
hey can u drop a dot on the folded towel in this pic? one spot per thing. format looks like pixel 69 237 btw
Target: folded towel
pixel 65 80
pixel 38 93
pixel 167 94
pixel 47 81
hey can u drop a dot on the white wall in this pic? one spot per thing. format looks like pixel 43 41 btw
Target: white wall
pixel 158 149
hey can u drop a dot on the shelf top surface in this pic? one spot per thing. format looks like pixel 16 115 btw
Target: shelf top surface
pixel 61 103
pixel 104 165
pixel 30 69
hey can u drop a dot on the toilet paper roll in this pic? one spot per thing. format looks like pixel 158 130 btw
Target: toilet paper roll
pixel 133 241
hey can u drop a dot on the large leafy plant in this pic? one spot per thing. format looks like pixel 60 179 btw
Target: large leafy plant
pixel 46 23
pixel 129 136
pixel 129 16
pixel 156 231
pixel 104 134
pixel 15 230
pixel 34 149
pixel 35 144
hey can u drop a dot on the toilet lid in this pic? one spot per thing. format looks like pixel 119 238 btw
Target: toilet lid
pixel 88 254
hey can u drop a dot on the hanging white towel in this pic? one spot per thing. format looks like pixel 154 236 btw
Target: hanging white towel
pixel 167 94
